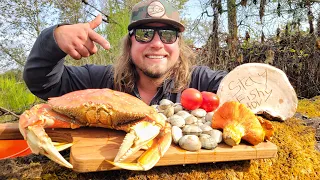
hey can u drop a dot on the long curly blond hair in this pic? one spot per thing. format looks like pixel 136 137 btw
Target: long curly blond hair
pixel 125 73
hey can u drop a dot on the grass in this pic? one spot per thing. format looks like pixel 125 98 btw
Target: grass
pixel 14 96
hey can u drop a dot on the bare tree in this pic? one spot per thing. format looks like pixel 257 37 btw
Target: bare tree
pixel 22 21
pixel 214 37
pixel 232 27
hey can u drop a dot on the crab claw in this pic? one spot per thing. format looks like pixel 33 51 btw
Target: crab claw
pixel 40 143
pixel 31 125
pixel 159 138
pixel 139 135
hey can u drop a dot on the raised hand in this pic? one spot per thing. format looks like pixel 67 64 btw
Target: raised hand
pixel 77 40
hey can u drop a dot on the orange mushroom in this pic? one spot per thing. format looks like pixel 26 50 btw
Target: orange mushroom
pixel 239 122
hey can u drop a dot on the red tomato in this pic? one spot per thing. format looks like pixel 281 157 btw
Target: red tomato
pixel 191 99
pixel 210 101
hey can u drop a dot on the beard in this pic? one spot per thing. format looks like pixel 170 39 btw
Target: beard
pixel 154 71
pixel 153 75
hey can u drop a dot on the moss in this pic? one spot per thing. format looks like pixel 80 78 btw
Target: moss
pixel 310 107
pixel 297 158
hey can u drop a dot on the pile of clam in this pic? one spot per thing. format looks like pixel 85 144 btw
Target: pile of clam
pixel 191 130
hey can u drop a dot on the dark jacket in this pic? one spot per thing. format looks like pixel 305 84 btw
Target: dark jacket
pixel 46 75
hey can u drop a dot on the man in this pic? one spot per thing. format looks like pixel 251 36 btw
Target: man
pixel 154 63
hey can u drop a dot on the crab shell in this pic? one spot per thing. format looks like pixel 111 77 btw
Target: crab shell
pixel 99 108
pixel 102 108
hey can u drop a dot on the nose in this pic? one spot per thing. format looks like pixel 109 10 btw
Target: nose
pixel 156 41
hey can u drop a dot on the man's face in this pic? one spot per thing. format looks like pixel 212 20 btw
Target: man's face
pixel 155 58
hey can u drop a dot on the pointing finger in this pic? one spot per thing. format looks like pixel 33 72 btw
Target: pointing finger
pixel 83 51
pixel 95 22
pixel 74 54
pixel 99 39
pixel 92 48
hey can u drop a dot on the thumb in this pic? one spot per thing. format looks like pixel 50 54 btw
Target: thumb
pixel 95 22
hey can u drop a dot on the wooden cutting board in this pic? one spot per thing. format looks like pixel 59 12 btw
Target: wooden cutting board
pixel 92 146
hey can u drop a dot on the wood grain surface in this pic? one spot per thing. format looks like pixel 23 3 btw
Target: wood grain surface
pixel 92 146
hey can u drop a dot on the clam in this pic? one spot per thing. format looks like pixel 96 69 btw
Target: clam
pixel 199 123
pixel 155 106
pixel 207 142
pixel 191 119
pixel 177 120
pixel 169 111
pixel 177 107
pixel 208 123
pixel 216 134
pixel 192 130
pixel 165 104
pixel 184 114
pixel 209 116
pixel 190 143
pixel 202 119
pixel 205 128
pixel 199 113
pixel 176 134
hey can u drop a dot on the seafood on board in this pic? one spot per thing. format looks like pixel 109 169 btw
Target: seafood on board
pixel 99 108
pixel 151 128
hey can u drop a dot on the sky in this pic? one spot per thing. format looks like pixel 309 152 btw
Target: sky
pixel 193 9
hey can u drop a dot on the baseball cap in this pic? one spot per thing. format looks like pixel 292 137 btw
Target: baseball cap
pixel 155 11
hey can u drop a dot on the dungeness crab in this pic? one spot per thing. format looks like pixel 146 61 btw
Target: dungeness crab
pixel 100 108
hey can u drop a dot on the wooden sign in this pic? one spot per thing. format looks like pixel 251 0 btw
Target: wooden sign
pixel 262 88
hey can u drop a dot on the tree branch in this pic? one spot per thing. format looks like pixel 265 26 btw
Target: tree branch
pixel 4 111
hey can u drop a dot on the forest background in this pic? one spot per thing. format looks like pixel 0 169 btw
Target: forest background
pixel 223 33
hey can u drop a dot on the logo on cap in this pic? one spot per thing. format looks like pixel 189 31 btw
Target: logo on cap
pixel 156 9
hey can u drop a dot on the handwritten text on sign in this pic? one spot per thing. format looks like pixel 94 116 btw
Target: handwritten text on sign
pixel 251 90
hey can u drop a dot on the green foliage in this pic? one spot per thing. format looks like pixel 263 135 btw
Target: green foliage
pixel 246 45
pixel 178 4
pixel 69 11
pixel 114 31
pixel 117 28
pixel 14 94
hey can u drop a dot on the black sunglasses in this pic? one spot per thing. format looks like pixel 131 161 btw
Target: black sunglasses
pixel 146 34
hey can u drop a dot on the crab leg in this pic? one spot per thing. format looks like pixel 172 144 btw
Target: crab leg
pixel 31 126
pixel 149 158
pixel 139 135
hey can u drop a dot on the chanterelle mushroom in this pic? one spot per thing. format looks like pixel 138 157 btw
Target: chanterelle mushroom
pixel 238 122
